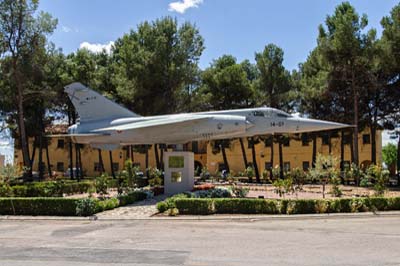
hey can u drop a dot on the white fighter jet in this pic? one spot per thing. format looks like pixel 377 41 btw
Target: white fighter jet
pixel 106 125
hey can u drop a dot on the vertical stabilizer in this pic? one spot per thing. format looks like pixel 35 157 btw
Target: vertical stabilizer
pixel 92 106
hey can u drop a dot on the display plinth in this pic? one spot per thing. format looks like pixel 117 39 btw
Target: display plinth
pixel 178 172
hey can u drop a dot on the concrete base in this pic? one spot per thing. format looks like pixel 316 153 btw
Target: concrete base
pixel 178 172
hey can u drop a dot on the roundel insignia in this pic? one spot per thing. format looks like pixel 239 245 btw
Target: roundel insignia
pixel 219 126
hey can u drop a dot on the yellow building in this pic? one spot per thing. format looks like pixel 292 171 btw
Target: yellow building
pixel 297 153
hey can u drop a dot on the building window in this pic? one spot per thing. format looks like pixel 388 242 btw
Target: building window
pixel 325 139
pixel 115 167
pixel 366 139
pixel 286 166
pixel 268 165
pixel 60 166
pixel 195 147
pixel 286 142
pixel 60 144
pixel 305 139
pixel 347 138
pixel 268 142
pixel 306 165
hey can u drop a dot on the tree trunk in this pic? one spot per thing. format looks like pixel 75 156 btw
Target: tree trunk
pixel 352 144
pixel 77 163
pixel 40 163
pixel 398 161
pixel 280 158
pixel 156 156
pixel 330 142
pixel 34 150
pixel 132 158
pixel 222 146
pixel 373 143
pixel 21 122
pixel 128 152
pixel 101 164
pixel 355 136
pixel 71 162
pixel 342 150
pixel 80 171
pixel 70 147
pixel 162 157
pixel 272 158
pixel 112 167
pixel 254 158
pixel 243 153
pixel 48 159
pixel 147 160
pixel 314 149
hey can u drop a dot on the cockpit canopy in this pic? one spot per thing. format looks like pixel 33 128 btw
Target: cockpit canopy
pixel 270 112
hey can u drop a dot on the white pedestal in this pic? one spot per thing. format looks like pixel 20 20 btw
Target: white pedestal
pixel 178 172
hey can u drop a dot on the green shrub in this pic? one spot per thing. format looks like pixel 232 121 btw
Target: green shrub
pixel 5 190
pixel 300 206
pixel 195 206
pixel 377 204
pixel 246 206
pixel 20 191
pixel 102 184
pixel 321 206
pixel 162 206
pixel 173 212
pixel 393 204
pixel 131 197
pixel 86 207
pixel 38 206
pixel 107 204
pixel 340 205
pixel 358 205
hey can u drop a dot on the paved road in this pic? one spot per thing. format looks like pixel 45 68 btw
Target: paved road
pixel 349 241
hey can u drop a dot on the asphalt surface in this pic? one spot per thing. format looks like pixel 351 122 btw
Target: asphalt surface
pixel 340 241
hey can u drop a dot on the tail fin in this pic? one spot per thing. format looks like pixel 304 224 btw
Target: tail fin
pixel 92 106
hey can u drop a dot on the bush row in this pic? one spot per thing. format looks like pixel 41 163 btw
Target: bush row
pixel 204 206
pixel 51 189
pixel 64 206
pixel 38 206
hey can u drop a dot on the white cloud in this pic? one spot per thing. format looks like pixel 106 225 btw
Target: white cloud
pixel 181 6
pixel 67 29
pixel 97 47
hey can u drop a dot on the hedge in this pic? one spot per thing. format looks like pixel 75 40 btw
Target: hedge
pixel 51 189
pixel 131 198
pixel 38 206
pixel 204 206
pixel 64 206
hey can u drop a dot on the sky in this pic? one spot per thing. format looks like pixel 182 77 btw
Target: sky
pixel 235 27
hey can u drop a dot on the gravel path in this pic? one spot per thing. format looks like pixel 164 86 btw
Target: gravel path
pixel 141 209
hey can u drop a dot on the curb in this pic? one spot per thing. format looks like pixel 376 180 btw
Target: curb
pixel 217 217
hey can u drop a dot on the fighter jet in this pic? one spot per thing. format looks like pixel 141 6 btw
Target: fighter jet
pixel 106 125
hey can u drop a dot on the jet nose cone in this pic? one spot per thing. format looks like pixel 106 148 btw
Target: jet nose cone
pixel 306 125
